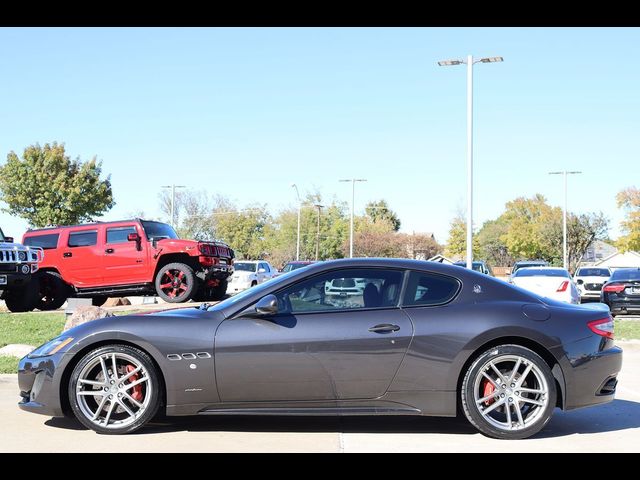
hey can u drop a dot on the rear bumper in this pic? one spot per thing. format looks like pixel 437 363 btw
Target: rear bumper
pixel 590 378
pixel 622 306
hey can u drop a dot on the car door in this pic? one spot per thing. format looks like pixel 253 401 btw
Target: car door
pixel 81 262
pixel 124 260
pixel 318 346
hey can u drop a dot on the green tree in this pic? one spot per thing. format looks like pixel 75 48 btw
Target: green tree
pixel 380 211
pixel 629 200
pixel 490 246
pixel 46 187
pixel 243 230
pixel 457 241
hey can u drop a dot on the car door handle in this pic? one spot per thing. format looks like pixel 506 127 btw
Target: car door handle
pixel 384 328
pixel 67 254
pixel 109 250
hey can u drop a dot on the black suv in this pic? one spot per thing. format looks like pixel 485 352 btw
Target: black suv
pixel 17 263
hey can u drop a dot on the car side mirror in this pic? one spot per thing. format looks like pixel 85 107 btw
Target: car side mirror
pixel 133 237
pixel 8 239
pixel 267 305
pixel 261 270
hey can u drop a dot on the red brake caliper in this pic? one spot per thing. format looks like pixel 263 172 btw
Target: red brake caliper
pixel 488 389
pixel 137 390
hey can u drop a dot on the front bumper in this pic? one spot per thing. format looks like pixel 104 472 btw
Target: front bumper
pixel 590 369
pixel 14 279
pixel 39 382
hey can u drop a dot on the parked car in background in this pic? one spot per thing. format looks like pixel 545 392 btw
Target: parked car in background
pixel 622 291
pixel 528 263
pixel 589 281
pixel 291 266
pixel 479 266
pixel 551 282
pixel 17 264
pixel 249 273
pixel 127 258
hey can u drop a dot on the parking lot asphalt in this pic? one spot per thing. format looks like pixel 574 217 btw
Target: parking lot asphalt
pixel 614 427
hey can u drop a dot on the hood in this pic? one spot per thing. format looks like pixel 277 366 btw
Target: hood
pixel 242 273
pixel 13 246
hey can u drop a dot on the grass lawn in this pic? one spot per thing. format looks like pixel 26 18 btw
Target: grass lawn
pixel 8 364
pixel 627 329
pixel 30 328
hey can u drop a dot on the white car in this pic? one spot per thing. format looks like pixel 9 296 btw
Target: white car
pixel 248 273
pixel 551 282
pixel 590 281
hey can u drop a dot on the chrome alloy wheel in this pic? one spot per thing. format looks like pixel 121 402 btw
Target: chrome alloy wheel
pixel 113 390
pixel 511 392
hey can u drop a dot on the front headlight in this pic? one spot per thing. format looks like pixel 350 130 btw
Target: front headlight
pixel 22 256
pixel 51 347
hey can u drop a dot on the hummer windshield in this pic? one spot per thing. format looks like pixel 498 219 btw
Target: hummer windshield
pixel 2 239
pixel 158 230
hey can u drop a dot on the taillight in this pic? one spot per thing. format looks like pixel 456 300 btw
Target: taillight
pixel 563 286
pixel 614 287
pixel 603 327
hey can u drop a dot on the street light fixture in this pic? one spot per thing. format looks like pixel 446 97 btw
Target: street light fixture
pixel 564 216
pixel 173 201
pixel 299 208
pixel 319 207
pixel 469 62
pixel 353 194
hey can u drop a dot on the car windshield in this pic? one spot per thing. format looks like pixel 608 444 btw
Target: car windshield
pixel 293 266
pixel 541 272
pixel 2 239
pixel 593 272
pixel 245 266
pixel 158 230
pixel 625 274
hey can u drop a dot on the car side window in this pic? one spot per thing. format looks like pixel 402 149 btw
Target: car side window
pixel 342 289
pixel 47 242
pixel 425 288
pixel 266 267
pixel 84 238
pixel 119 234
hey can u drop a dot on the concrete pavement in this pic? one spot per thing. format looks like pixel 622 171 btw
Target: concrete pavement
pixel 614 427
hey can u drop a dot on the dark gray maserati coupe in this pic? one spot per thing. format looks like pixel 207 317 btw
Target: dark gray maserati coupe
pixel 345 337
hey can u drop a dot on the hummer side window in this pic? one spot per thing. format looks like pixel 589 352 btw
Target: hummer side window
pixel 85 238
pixel 119 234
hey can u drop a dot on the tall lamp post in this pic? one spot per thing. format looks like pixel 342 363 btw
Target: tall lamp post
pixel 565 262
pixel 299 208
pixel 319 207
pixel 353 195
pixel 173 201
pixel 469 62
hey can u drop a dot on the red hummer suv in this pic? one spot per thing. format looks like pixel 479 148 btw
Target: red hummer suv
pixel 133 257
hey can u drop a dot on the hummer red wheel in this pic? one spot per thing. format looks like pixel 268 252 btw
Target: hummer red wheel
pixel 176 283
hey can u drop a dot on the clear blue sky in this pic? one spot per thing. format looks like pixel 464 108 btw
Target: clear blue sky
pixel 245 112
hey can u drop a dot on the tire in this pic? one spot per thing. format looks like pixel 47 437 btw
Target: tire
pixel 22 299
pixel 176 283
pixel 490 416
pixel 99 301
pixel 219 292
pixel 112 415
pixel 52 290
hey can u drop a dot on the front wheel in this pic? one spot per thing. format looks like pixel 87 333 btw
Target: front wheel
pixel 114 389
pixel 176 283
pixel 21 299
pixel 508 392
pixel 52 290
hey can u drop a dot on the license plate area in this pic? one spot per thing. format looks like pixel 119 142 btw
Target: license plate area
pixel 3 279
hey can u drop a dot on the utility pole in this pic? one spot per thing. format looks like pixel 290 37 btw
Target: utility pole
pixel 173 201
pixel 353 194
pixel 565 260
pixel 319 207
pixel 299 208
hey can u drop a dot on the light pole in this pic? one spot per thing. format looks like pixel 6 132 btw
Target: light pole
pixel 299 208
pixel 565 262
pixel 319 207
pixel 173 200
pixel 470 62
pixel 353 195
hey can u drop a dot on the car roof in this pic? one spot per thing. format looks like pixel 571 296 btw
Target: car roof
pixel 90 224
pixel 542 268
pixel 529 262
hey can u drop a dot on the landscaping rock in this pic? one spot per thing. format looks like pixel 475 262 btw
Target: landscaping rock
pixel 116 302
pixel 84 315
pixel 16 350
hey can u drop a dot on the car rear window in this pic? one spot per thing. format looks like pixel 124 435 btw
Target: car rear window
pixel 541 272
pixel 47 242
pixel 85 238
pixel 593 272
pixel 625 274
pixel 429 289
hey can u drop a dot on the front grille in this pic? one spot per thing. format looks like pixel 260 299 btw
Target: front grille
pixel 595 287
pixel 8 256
pixel 343 283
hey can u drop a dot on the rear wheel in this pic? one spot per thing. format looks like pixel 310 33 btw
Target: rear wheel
pixel 218 293
pixel 176 282
pixel 22 299
pixel 52 290
pixel 509 392
pixel 114 389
